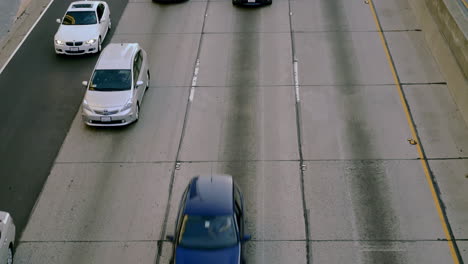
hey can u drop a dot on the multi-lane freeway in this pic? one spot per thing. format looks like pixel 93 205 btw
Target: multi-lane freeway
pixel 309 104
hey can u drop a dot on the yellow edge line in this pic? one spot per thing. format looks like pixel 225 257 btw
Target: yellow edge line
pixel 414 135
pixel 465 3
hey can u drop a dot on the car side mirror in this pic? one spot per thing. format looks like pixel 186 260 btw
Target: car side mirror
pixel 246 238
pixel 170 238
pixel 103 20
pixel 59 20
pixel 85 83
pixel 139 83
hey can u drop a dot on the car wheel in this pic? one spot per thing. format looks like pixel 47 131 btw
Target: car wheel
pixel 268 2
pixel 148 82
pixel 137 113
pixel 10 256
pixel 234 2
pixel 99 45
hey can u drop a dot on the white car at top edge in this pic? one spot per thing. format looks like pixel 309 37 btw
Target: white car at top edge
pixel 7 238
pixel 83 28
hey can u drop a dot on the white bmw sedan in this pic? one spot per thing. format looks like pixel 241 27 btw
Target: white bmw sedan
pixel 115 91
pixel 7 238
pixel 83 28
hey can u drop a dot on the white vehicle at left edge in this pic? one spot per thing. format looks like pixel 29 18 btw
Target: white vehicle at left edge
pixel 7 238
pixel 83 28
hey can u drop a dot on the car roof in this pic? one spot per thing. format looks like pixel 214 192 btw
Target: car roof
pixel 117 56
pixel 210 195
pixel 83 6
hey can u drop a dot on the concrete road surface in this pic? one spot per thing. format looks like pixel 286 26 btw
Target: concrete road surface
pixel 296 100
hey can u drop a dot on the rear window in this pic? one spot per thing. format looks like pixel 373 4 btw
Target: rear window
pixel 82 6
pixel 111 80
pixel 80 18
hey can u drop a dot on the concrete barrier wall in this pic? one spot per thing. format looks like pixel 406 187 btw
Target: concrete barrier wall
pixel 446 14
pixel 448 46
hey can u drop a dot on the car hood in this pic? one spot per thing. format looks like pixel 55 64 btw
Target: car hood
pixel 195 256
pixel 77 32
pixel 98 99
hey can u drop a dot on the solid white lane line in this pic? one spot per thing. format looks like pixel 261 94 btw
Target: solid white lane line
pixel 192 92
pixel 26 36
pixel 194 80
pixel 296 80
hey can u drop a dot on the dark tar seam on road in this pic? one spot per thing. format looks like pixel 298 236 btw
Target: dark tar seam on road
pixel 309 254
pixel 182 135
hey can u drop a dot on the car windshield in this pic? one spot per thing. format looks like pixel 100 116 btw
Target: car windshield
pixel 207 232
pixel 80 18
pixel 111 80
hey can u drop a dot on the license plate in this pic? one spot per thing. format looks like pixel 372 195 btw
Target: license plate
pixel 250 1
pixel 105 119
pixel 74 48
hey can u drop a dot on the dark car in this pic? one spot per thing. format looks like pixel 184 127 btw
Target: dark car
pixel 210 222
pixel 252 2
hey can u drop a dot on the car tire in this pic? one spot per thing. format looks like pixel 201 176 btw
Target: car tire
pixel 148 78
pixel 10 256
pixel 234 3
pixel 137 113
pixel 268 2
pixel 99 45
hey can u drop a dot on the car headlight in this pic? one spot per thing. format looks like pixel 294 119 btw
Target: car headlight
pixel 86 106
pixel 91 41
pixel 59 42
pixel 127 105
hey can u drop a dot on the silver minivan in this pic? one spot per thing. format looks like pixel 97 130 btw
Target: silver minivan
pixel 115 91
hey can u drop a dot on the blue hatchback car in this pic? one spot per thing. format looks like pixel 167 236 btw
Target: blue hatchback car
pixel 210 222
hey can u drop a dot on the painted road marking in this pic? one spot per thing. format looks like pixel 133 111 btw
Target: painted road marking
pixel 296 80
pixel 409 119
pixel 194 80
pixel 26 36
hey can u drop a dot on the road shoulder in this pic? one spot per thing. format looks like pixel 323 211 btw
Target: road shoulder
pixel 28 14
